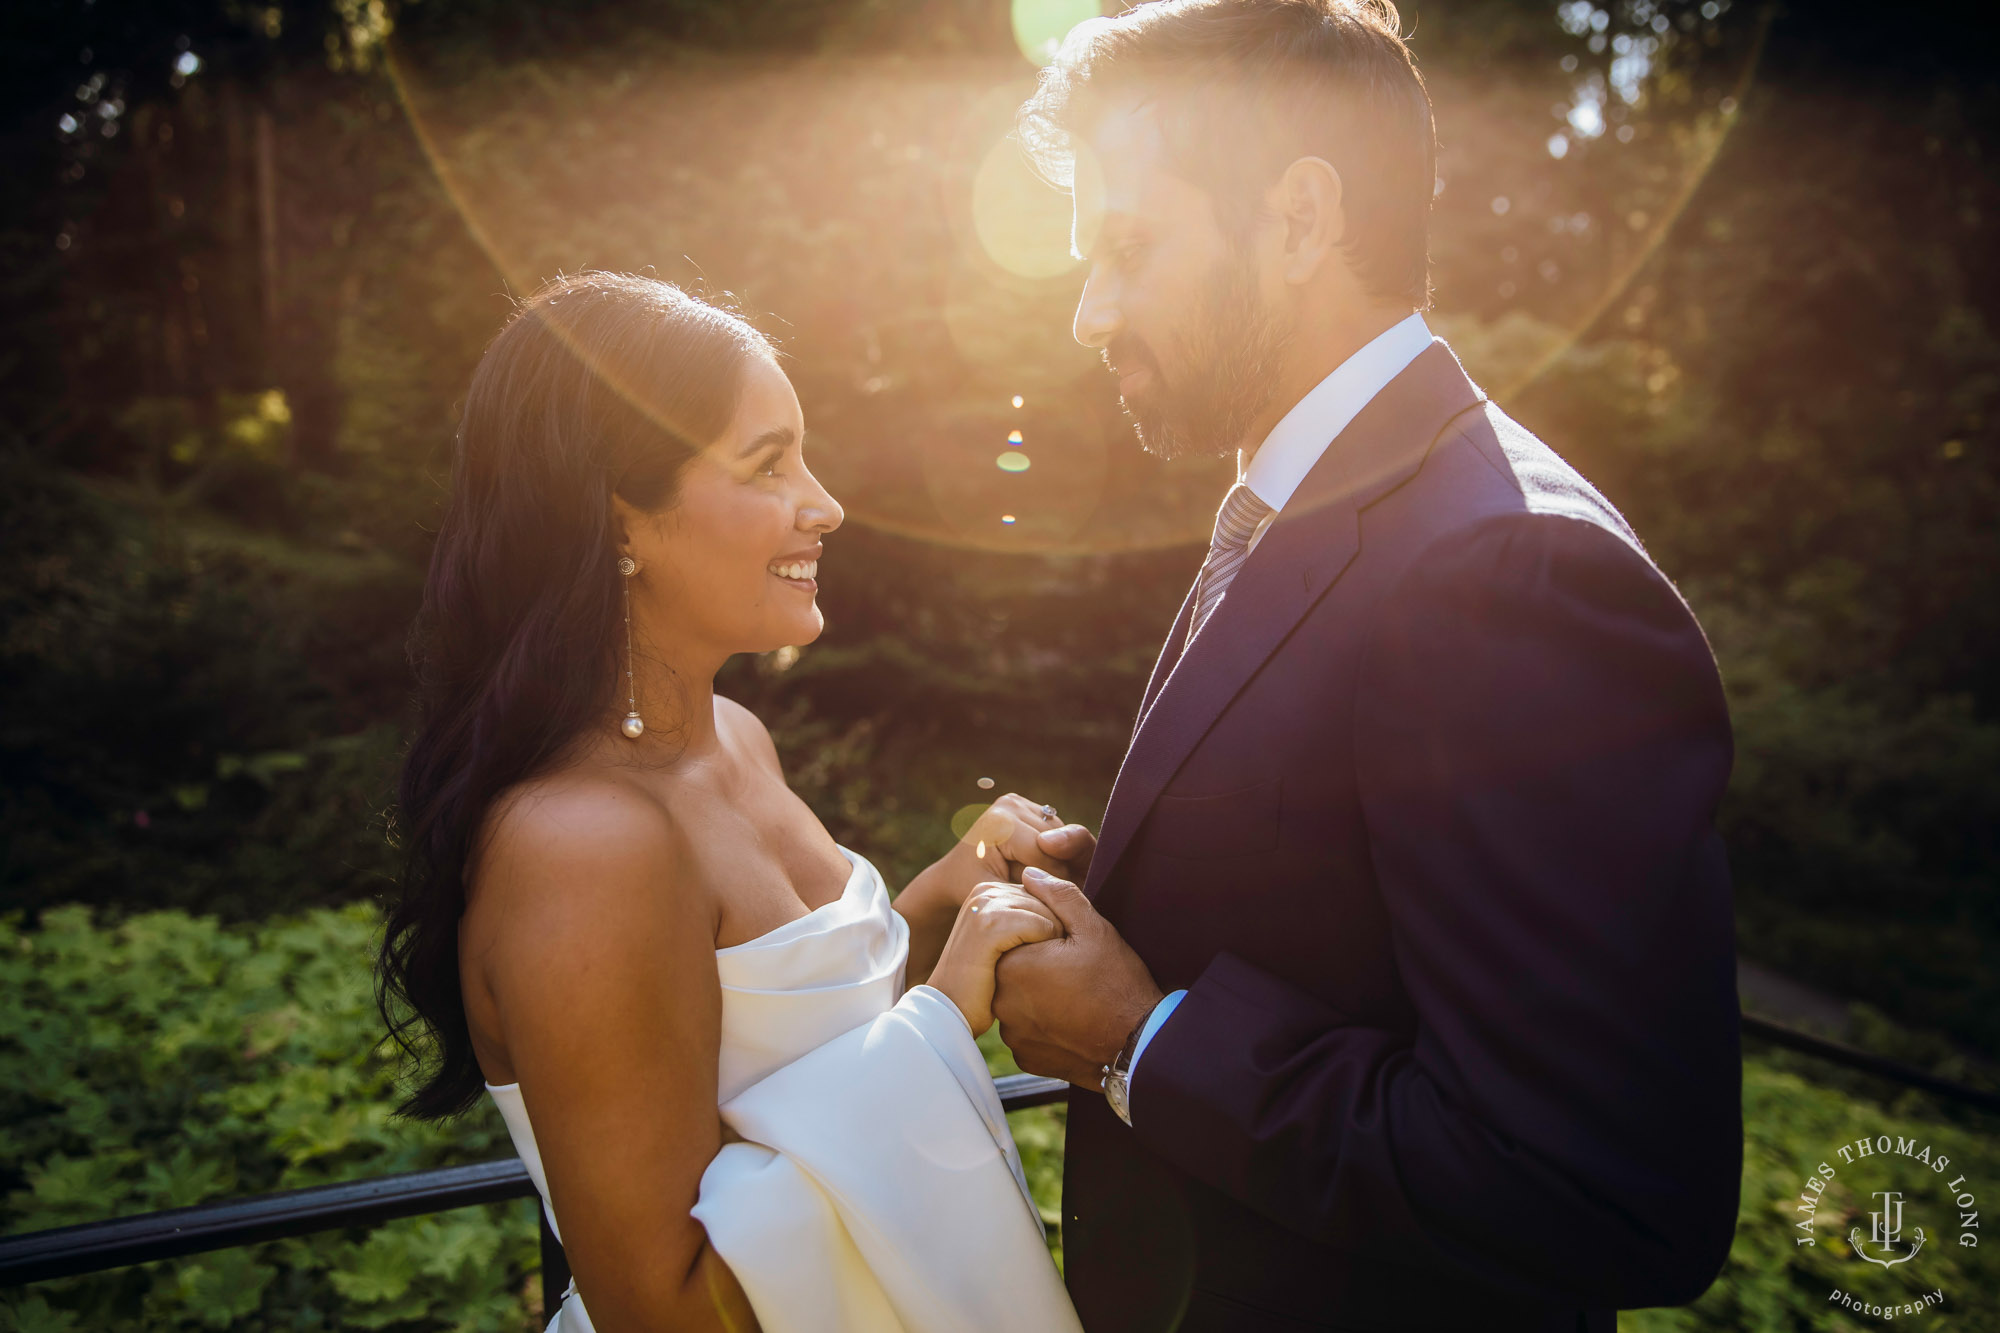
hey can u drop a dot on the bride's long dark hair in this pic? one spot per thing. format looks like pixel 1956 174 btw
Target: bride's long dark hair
pixel 601 384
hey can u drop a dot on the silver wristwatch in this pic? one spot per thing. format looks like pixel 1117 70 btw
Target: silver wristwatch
pixel 1116 1089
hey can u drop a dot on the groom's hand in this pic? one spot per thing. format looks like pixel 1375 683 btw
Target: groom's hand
pixel 1067 1005
pixel 1070 847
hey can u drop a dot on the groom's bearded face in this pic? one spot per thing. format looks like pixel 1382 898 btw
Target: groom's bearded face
pixel 1172 300
pixel 1218 373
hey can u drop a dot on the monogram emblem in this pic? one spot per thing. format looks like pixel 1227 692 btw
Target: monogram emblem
pixel 1885 1231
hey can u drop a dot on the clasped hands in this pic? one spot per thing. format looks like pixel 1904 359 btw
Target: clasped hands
pixel 1065 987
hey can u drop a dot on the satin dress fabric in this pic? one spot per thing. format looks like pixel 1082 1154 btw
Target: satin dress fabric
pixel 877 1186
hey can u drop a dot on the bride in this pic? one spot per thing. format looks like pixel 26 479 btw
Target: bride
pixel 693 1008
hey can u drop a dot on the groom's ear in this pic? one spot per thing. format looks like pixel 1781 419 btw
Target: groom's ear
pixel 1308 198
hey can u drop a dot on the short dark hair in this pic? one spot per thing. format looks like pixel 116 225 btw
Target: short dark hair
pixel 1246 87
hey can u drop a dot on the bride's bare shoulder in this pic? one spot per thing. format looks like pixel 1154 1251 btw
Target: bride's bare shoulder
pixel 587 836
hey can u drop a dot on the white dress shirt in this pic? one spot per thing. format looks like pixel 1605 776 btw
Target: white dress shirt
pixel 1282 461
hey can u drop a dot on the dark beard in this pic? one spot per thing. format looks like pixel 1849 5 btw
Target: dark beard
pixel 1229 360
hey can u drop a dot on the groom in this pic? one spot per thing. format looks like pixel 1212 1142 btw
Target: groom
pixel 1400 990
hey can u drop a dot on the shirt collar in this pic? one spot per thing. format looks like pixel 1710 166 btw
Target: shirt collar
pixel 1296 442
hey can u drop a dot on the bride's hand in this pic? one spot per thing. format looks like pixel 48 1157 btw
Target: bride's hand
pixel 1012 834
pixel 994 919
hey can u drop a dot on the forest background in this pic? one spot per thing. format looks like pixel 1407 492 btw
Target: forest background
pixel 1735 261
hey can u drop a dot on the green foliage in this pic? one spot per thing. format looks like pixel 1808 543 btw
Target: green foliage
pixel 198 713
pixel 170 1060
pixel 1773 1284
pixel 1864 838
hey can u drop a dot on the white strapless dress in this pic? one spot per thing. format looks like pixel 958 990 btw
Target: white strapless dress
pixel 878 1189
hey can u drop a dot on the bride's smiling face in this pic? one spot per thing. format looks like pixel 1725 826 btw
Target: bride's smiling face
pixel 732 563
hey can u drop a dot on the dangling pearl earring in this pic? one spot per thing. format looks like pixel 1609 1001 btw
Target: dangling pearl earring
pixel 633 726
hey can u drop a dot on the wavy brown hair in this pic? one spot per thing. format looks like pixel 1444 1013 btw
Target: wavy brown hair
pixel 600 384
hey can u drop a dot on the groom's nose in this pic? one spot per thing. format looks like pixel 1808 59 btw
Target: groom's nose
pixel 1097 317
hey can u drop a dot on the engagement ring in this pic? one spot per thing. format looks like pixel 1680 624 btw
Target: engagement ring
pixel 1048 812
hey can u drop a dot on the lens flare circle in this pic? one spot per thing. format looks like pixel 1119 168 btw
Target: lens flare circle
pixel 966 816
pixel 1010 331
pixel 1021 220
pixel 1040 26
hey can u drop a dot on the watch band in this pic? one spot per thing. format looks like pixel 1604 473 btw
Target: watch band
pixel 1116 1089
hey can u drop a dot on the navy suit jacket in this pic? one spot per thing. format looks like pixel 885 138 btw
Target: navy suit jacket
pixel 1423 822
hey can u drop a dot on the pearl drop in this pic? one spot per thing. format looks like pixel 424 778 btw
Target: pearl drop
pixel 632 726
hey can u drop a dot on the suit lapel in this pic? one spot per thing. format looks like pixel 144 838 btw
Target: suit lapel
pixel 1170 654
pixel 1301 556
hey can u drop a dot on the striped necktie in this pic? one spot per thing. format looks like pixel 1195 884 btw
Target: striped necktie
pixel 1238 518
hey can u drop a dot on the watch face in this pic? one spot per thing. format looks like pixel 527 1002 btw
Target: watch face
pixel 1114 1092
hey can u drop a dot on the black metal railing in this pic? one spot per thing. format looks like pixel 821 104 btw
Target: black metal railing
pixel 94 1246
pixel 1869 1063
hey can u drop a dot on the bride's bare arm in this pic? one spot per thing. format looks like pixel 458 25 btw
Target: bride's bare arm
pixel 601 967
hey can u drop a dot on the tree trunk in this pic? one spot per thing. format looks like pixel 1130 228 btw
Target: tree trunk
pixel 305 178
pixel 267 215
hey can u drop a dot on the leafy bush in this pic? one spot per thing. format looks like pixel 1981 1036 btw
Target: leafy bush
pixel 197 714
pixel 170 1060
pixel 1773 1284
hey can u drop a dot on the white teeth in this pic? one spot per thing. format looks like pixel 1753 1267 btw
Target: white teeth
pixel 797 570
